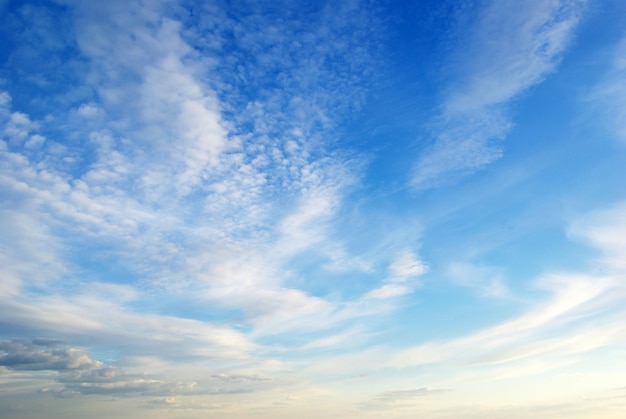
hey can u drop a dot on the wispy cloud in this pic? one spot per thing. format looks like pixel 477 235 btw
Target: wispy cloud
pixel 608 95
pixel 487 280
pixel 403 271
pixel 400 399
pixel 604 229
pixel 582 313
pixel 199 188
pixel 525 335
pixel 400 395
pixel 501 52
pixel 184 222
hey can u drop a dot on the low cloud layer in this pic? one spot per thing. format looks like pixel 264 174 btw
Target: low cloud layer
pixel 43 354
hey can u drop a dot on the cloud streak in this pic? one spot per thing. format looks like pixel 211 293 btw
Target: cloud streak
pixel 609 93
pixel 403 271
pixel 581 315
pixel 501 53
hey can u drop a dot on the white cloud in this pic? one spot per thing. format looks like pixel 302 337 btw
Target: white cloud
pixel 17 127
pixel 88 110
pixel 488 280
pixel 388 291
pixel 507 49
pixel 91 319
pixel 341 261
pixel 168 110
pixel 582 313
pixel 203 171
pixel 29 252
pixel 573 294
pixel 405 267
pixel 606 230
pixel 5 101
pixel 340 340
pixel 35 141
pixel 609 95
pixel 568 324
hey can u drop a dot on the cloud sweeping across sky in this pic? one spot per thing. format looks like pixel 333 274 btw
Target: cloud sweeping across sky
pixel 284 209
pixel 502 51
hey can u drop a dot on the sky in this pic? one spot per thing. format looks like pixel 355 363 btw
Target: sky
pixel 343 209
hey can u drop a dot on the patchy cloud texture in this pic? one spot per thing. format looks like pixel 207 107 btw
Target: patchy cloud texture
pixel 336 209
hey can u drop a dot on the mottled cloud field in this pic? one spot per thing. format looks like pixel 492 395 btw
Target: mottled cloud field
pixel 344 209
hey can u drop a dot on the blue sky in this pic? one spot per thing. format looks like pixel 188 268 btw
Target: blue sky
pixel 313 209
